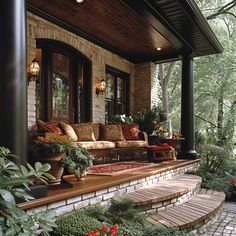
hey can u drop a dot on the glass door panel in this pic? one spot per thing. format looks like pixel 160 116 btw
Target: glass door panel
pixel 60 87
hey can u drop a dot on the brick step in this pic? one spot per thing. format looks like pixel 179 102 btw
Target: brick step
pixel 166 193
pixel 194 213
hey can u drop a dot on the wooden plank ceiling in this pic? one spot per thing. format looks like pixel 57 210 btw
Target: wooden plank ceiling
pixel 131 29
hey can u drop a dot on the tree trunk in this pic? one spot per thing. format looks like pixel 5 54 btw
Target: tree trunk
pixel 220 118
pixel 164 80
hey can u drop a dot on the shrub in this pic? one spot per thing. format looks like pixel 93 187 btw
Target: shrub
pixel 98 212
pixel 77 224
pixel 123 211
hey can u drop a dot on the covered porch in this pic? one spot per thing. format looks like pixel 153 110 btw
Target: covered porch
pixel 140 34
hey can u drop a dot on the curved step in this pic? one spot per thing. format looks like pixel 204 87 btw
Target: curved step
pixel 196 212
pixel 165 193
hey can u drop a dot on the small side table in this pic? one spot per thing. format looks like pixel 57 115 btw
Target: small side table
pixel 160 153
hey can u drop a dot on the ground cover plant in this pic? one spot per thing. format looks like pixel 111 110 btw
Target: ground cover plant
pixel 120 218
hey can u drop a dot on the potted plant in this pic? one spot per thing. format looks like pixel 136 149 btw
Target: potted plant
pixel 51 148
pixel 77 161
pixel 147 119
pixel 59 151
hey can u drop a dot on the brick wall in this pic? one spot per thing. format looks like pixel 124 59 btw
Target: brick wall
pixel 40 28
pixel 140 87
pixel 146 86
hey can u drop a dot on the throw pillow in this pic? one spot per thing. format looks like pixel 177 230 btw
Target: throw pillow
pixel 131 132
pixel 84 132
pixel 69 131
pixel 112 132
pixel 96 127
pixel 47 127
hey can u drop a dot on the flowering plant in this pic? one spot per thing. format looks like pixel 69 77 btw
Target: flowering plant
pixel 104 231
pixel 163 130
pixel 51 143
pixel 233 182
pixel 122 119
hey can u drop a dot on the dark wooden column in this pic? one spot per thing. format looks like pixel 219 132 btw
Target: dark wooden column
pixel 13 118
pixel 187 109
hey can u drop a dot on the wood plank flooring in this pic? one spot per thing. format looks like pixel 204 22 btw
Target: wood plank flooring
pixel 164 190
pixel 185 216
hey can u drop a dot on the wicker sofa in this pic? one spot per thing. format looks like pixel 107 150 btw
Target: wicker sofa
pixel 102 140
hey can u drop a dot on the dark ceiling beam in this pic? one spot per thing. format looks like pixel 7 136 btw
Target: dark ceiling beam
pixel 148 12
pixel 35 10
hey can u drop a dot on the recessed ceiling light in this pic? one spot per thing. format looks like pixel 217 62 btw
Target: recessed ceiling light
pixel 158 48
pixel 79 1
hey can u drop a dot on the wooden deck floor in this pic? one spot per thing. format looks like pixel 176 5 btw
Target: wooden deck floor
pixel 94 183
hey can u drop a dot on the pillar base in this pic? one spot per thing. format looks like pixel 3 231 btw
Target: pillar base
pixel 188 154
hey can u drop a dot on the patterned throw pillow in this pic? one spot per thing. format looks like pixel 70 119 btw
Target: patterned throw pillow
pixel 84 132
pixel 48 127
pixel 131 132
pixel 96 127
pixel 69 131
pixel 112 132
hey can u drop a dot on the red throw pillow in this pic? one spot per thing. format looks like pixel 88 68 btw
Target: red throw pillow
pixel 46 127
pixel 131 132
pixel 112 132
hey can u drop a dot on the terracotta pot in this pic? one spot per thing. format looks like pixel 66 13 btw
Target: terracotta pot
pixel 57 167
pixel 82 176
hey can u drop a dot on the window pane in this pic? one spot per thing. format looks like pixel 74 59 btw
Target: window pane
pixel 60 87
pixel 120 89
pixel 109 111
pixel 110 80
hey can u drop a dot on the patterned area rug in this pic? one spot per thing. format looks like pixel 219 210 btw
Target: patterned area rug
pixel 118 168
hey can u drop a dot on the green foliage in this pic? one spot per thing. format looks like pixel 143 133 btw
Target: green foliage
pixel 14 180
pixel 217 169
pixel 123 211
pixel 77 224
pixel 131 222
pixel 98 212
pixel 131 229
pixel 214 159
pixel 147 119
pixel 122 119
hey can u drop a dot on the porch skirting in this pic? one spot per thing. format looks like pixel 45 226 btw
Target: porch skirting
pixel 104 195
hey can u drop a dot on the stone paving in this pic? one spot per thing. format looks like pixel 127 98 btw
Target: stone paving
pixel 226 223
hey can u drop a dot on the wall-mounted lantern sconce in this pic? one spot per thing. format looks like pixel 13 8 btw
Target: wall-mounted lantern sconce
pixel 33 71
pixel 100 87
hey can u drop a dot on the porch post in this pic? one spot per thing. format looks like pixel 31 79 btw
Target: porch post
pixel 13 116
pixel 187 109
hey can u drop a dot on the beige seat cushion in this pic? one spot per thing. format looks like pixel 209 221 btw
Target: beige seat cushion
pixel 96 144
pixel 131 144
pixel 112 132
pixel 84 132
pixel 69 131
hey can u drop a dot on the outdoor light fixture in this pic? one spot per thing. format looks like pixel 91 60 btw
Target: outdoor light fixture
pixel 79 1
pixel 100 87
pixel 33 71
pixel 158 48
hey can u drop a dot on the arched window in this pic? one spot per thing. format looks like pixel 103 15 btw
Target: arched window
pixel 64 88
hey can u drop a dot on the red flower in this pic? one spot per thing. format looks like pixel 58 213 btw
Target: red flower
pixel 113 230
pixel 104 229
pixel 96 233
pixel 233 181
pixel 90 233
